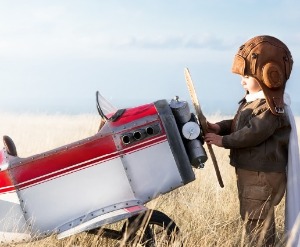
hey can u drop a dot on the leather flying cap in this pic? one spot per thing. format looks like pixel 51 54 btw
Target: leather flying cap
pixel 269 60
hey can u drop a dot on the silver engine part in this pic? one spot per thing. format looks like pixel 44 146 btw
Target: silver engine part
pixel 190 131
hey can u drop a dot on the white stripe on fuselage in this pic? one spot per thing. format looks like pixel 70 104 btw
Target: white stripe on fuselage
pixel 138 147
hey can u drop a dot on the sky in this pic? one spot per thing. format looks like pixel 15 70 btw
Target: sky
pixel 54 55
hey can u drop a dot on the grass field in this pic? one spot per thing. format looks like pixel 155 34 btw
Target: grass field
pixel 206 214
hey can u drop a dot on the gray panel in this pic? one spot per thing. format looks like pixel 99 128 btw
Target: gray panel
pixel 175 141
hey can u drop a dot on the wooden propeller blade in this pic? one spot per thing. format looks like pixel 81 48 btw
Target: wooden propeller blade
pixel 202 120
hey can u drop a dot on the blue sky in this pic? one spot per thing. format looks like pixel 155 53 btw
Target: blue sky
pixel 55 54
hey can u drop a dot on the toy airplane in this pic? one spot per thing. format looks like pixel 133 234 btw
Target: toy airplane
pixel 138 154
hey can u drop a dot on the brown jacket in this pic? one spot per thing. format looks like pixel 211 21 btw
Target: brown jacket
pixel 257 139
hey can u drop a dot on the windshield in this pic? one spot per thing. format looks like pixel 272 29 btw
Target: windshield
pixel 104 107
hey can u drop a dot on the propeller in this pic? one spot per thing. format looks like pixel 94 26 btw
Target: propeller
pixel 202 120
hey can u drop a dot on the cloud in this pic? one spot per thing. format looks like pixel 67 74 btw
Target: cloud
pixel 72 42
pixel 206 41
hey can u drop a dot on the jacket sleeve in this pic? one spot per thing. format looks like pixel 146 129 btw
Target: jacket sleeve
pixel 225 127
pixel 258 129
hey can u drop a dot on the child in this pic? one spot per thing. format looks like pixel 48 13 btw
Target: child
pixel 258 135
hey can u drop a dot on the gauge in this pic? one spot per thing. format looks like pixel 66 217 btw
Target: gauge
pixel 191 130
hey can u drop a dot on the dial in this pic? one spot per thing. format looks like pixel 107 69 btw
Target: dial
pixel 191 130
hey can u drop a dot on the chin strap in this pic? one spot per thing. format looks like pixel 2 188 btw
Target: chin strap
pixel 279 105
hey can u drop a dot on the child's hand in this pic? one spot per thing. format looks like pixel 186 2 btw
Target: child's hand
pixel 213 128
pixel 211 138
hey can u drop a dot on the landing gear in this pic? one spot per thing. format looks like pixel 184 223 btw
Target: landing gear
pixel 151 228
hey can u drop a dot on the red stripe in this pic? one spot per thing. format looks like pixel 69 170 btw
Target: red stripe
pixel 39 171
pixel 61 173
pixel 145 144
pixel 6 184
pixel 74 157
pixel 63 159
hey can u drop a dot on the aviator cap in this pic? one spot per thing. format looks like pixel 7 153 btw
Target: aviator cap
pixel 268 60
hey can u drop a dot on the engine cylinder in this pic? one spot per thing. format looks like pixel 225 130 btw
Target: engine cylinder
pixel 196 153
pixel 180 110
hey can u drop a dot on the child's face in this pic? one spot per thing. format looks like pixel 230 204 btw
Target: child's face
pixel 250 84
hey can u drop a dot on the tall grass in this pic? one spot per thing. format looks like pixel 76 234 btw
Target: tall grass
pixel 207 214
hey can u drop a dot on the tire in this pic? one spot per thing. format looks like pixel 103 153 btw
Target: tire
pixel 152 228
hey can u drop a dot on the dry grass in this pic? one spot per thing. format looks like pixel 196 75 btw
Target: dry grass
pixel 206 214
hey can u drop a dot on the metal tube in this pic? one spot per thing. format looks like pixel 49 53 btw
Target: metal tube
pixel 127 138
pixel 152 130
pixel 139 134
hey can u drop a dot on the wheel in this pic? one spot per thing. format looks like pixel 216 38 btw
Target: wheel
pixel 149 229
